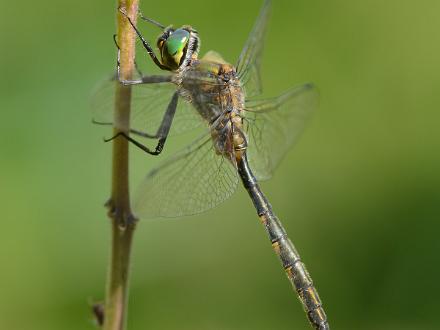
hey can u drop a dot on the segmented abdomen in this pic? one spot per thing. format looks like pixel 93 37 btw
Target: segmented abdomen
pixel 295 270
pixel 289 257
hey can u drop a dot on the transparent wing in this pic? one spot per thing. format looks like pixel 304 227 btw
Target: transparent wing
pixel 194 180
pixel 273 125
pixel 248 65
pixel 148 105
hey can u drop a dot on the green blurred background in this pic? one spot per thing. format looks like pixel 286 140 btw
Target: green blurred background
pixel 359 195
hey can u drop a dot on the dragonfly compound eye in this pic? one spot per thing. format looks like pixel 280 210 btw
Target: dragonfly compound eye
pixel 173 49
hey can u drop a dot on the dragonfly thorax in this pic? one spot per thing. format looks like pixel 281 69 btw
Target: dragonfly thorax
pixel 213 88
pixel 227 72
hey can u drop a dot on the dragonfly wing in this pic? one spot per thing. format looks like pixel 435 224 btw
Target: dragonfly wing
pixel 148 105
pixel 248 65
pixel 274 125
pixel 193 181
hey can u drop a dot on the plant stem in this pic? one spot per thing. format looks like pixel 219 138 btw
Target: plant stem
pixel 123 221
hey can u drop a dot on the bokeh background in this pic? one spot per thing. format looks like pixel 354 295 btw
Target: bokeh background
pixel 359 194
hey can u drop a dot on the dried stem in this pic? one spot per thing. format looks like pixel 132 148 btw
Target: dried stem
pixel 122 219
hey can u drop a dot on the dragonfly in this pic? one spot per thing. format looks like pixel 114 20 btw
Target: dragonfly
pixel 244 135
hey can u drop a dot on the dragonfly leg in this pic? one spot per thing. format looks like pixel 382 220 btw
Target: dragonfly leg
pixel 161 134
pixel 145 43
pixel 138 71
pixel 153 79
pixel 133 131
pixel 144 148
pixel 141 16
pixel 144 79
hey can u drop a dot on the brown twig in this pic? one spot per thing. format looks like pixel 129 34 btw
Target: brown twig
pixel 122 219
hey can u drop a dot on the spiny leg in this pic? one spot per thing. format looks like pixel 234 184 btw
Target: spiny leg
pixel 152 21
pixel 131 130
pixel 153 79
pixel 138 71
pixel 145 43
pixel 144 148
pixel 161 134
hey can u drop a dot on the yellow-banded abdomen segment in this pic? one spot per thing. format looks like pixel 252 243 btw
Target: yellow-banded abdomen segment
pixel 283 247
pixel 295 270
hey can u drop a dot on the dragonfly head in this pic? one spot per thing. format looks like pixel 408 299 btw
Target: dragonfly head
pixel 178 46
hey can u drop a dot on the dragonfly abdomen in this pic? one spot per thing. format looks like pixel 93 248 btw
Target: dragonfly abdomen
pixel 284 248
pixel 295 270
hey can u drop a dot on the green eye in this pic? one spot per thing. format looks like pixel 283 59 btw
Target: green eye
pixel 174 48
